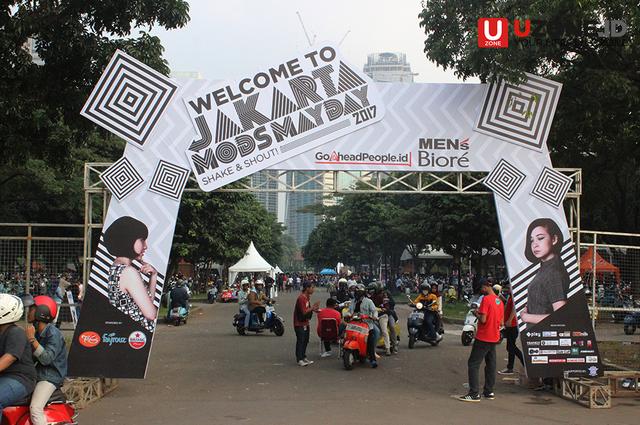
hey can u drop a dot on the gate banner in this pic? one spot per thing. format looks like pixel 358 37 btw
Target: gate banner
pixel 234 129
pixel 277 113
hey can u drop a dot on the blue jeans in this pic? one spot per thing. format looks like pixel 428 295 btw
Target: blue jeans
pixel 11 391
pixel 372 341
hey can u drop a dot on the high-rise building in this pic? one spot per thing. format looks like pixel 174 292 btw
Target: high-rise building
pixel 266 179
pixel 300 224
pixel 389 67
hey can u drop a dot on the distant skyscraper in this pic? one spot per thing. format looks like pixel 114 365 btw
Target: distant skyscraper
pixel 269 200
pixel 300 224
pixel 388 67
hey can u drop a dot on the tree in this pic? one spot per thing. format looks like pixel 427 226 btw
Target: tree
pixel 44 140
pixel 218 227
pixel 596 123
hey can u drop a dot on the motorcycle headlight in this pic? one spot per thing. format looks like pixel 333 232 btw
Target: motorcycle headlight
pixel 419 306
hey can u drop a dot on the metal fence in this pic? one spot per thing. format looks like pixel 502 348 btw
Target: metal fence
pixel 610 268
pixel 38 258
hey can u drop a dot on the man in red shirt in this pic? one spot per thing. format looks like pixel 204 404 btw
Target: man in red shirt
pixel 490 316
pixel 511 334
pixel 301 315
pixel 328 313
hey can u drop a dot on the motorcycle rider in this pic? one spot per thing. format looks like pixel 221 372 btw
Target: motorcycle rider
pixel 365 307
pixel 243 301
pixel 49 354
pixel 386 319
pixel 429 298
pixel 343 292
pixel 257 300
pixel 17 372
pixel 179 296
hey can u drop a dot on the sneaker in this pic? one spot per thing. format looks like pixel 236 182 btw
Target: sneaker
pixel 439 337
pixel 387 353
pixel 489 396
pixel 308 361
pixel 394 350
pixel 470 397
pixel 302 363
pixel 373 363
pixel 325 354
pixel 505 372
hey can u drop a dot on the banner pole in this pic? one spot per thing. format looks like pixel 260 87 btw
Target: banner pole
pixel 593 281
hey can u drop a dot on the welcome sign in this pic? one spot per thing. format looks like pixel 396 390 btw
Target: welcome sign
pixel 277 113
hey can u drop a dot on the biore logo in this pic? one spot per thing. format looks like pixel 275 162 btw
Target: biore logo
pixel 89 339
pixel 428 155
pixel 113 339
pixel 494 32
pixel 137 340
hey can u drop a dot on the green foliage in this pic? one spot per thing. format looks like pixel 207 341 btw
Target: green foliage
pixel 219 226
pixel 44 140
pixel 596 126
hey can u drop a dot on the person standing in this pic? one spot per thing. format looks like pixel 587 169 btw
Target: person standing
pixel 490 316
pixel 511 334
pixel 301 315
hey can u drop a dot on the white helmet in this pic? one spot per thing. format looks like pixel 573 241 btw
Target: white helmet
pixel 259 282
pixel 11 309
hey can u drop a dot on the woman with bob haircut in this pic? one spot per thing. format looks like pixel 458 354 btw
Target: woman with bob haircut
pixel 126 239
pixel 547 292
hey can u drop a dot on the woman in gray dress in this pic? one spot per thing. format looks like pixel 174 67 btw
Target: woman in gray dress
pixel 547 292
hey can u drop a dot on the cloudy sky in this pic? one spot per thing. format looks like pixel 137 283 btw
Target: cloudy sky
pixel 228 39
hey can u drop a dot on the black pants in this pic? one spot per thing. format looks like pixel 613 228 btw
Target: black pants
pixel 327 345
pixel 302 340
pixel 511 334
pixel 482 351
pixel 259 312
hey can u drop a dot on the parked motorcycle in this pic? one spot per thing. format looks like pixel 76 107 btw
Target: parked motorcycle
pixel 470 322
pixel 631 322
pixel 416 330
pixel 354 343
pixel 58 411
pixel 272 322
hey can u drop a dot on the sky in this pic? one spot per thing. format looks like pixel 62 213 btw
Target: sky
pixel 228 39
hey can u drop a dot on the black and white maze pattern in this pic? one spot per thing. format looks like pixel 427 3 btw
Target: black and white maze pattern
pixel 348 79
pixel 129 99
pixel 505 179
pixel 121 178
pixel 169 180
pixel 281 105
pixel 520 282
pixel 99 277
pixel 551 187
pixel 520 114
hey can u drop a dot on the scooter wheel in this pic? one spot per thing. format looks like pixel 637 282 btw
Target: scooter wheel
pixel 412 341
pixel 240 330
pixel 466 338
pixel 278 328
pixel 347 359
pixel 629 329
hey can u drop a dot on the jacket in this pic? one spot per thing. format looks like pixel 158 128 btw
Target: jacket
pixel 51 356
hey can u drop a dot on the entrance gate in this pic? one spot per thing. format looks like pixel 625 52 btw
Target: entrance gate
pixel 316 112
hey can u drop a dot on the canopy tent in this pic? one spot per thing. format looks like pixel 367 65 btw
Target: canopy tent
pixel 251 262
pixel 277 270
pixel 327 271
pixel 602 266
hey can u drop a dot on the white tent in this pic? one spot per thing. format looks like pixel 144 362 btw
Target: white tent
pixel 277 270
pixel 251 262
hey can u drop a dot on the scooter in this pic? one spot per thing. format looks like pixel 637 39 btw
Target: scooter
pixel 272 322
pixel 415 327
pixel 470 322
pixel 178 315
pixel 353 346
pixel 212 294
pixel 631 322
pixel 58 411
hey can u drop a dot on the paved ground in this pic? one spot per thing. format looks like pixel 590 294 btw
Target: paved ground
pixel 204 373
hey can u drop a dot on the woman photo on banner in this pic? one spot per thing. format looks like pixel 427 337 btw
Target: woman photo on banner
pixel 126 239
pixel 547 292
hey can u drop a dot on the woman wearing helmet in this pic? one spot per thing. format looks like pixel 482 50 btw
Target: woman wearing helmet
pixel 49 353
pixel 17 373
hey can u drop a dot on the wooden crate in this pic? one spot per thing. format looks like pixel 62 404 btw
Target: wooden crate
pixel 83 391
pixel 591 393
pixel 615 383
